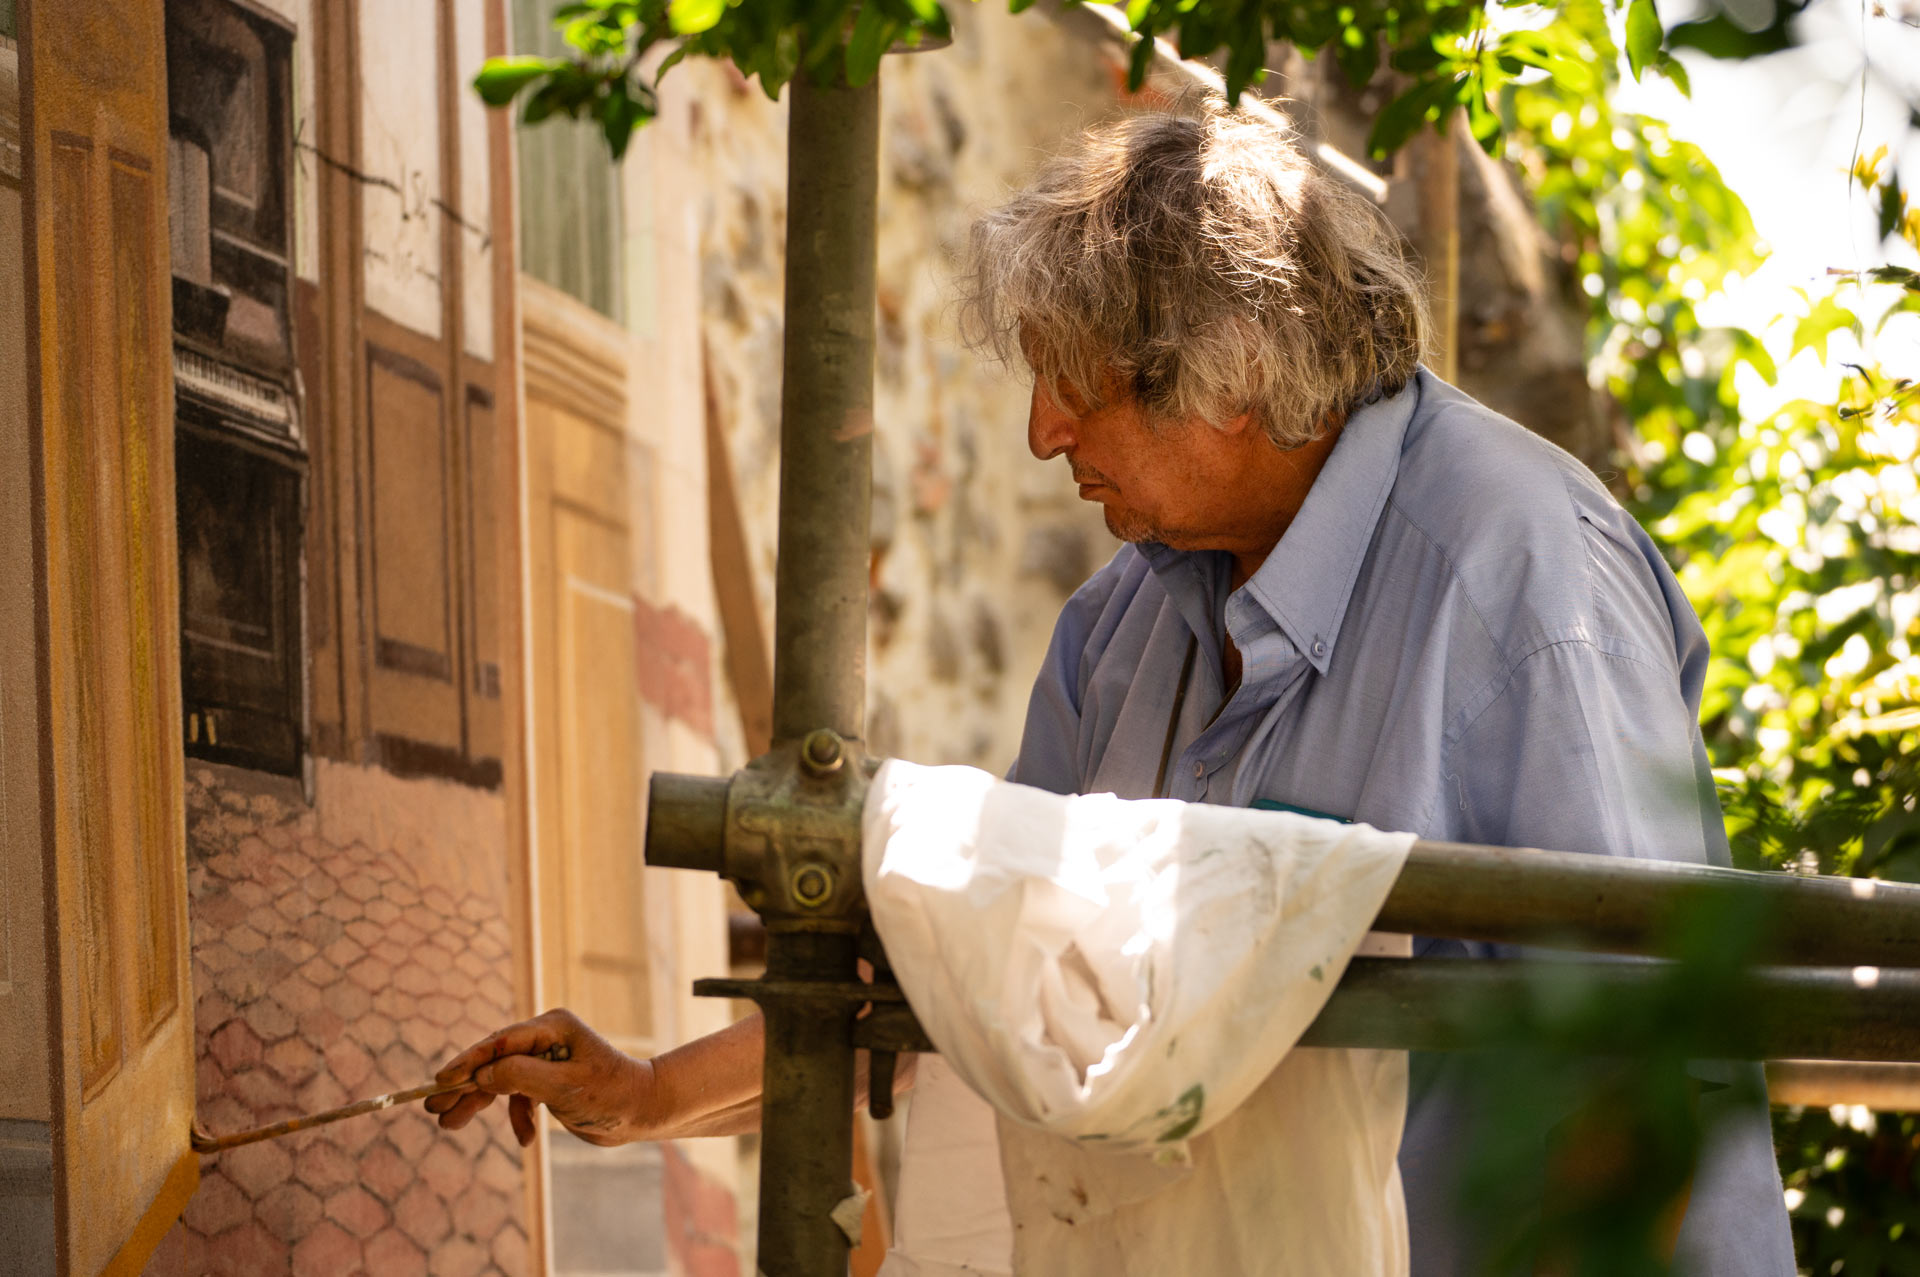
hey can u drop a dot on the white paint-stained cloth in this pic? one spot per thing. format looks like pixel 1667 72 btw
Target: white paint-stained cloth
pixel 1123 982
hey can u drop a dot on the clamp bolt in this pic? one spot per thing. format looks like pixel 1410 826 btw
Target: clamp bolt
pixel 812 884
pixel 822 751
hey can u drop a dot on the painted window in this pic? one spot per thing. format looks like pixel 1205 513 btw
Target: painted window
pixel 569 191
pixel 240 446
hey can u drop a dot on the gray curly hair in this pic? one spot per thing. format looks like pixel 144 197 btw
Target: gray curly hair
pixel 1203 264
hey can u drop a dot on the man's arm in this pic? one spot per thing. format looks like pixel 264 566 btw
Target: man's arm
pixel 709 1086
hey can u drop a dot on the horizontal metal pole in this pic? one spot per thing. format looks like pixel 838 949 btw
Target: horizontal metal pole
pixel 686 822
pixel 1815 1013
pixel 1889 1087
pixel 1516 895
pixel 1611 904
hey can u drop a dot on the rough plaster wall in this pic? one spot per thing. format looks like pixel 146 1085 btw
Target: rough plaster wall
pixel 342 950
pixel 976 544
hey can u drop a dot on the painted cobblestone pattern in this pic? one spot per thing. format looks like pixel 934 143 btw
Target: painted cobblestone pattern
pixel 325 971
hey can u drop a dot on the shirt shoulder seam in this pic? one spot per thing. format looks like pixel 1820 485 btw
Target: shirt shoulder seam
pixel 1601 646
pixel 1453 571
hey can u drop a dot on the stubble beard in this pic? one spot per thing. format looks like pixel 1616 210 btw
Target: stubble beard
pixel 1124 524
pixel 1132 526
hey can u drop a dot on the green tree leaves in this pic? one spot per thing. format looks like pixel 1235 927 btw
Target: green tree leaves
pixel 610 42
pixel 1823 318
pixel 873 31
pixel 1450 54
pixel 1412 111
pixel 691 17
pixel 1644 34
pixel 501 79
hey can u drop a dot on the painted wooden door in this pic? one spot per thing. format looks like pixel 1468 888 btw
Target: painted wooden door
pixel 587 747
pixel 124 1079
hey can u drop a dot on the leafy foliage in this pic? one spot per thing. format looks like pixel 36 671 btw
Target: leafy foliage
pixel 1799 539
pixel 1853 1189
pixel 606 77
pixel 1447 54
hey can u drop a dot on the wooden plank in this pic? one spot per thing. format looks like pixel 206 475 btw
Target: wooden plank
pixel 24 1007
pixel 511 470
pixel 104 419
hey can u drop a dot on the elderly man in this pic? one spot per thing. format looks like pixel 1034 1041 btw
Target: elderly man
pixel 1348 588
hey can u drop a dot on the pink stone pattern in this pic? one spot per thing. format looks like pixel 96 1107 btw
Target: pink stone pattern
pixel 702 1219
pixel 325 974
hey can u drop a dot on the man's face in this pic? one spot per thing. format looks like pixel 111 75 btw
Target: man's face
pixel 1172 482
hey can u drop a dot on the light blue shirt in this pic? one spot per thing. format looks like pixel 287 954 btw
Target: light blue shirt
pixel 1463 636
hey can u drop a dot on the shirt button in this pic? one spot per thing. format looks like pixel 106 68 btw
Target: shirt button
pixel 1199 771
pixel 1319 648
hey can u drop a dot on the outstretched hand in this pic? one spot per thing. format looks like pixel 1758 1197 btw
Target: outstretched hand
pixel 600 1093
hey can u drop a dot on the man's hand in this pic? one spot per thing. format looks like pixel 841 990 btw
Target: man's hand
pixel 600 1093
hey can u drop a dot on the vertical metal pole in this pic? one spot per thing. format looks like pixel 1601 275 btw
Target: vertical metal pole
pixel 806 1110
pixel 826 410
pixel 820 641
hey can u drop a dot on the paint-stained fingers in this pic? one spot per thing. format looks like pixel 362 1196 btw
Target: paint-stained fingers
pixel 529 1075
pixel 459 1108
pixel 542 1033
pixel 445 1100
pixel 520 1117
pixel 589 1085
pixel 529 1037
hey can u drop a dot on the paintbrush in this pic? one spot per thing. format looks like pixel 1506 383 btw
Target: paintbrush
pixel 205 1143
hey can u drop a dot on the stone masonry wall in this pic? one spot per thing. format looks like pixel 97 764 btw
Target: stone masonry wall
pixel 342 950
pixel 976 545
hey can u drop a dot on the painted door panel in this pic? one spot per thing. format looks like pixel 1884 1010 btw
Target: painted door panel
pixel 587 745
pixel 124 1089
pixel 600 767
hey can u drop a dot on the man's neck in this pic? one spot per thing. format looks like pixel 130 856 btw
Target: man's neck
pixel 1284 479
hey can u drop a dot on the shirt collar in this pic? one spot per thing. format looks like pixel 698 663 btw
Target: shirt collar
pixel 1306 582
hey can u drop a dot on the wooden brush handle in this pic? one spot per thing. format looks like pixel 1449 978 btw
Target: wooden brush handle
pixel 205 1143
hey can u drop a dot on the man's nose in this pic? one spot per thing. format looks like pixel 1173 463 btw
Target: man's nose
pixel 1050 430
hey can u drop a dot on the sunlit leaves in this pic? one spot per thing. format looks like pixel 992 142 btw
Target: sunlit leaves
pixel 873 31
pixel 1411 111
pixel 1448 53
pixel 1644 34
pixel 501 79
pixel 770 41
pixel 1866 168
pixel 1824 317
pixel 690 17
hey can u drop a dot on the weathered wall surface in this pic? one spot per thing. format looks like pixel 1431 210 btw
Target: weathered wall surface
pixel 341 950
pixel 976 545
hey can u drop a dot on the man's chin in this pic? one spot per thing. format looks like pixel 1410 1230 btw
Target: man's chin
pixel 1128 525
